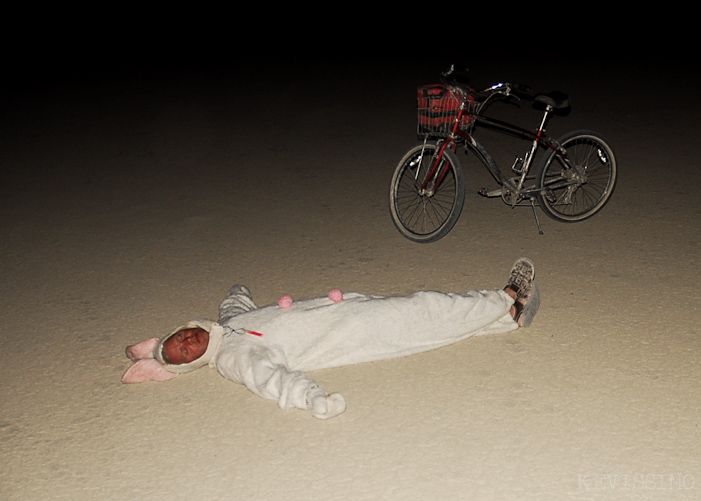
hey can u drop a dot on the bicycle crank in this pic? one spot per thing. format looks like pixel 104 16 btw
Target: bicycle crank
pixel 508 196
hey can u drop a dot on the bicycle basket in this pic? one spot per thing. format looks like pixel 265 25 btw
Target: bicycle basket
pixel 438 109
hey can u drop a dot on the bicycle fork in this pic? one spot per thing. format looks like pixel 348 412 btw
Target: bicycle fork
pixel 435 176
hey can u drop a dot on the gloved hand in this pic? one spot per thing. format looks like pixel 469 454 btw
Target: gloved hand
pixel 326 406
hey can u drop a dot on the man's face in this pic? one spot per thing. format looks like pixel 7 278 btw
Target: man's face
pixel 186 345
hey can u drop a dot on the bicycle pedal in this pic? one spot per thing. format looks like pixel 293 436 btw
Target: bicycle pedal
pixel 486 193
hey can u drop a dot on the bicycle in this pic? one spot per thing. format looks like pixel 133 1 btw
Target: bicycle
pixel 574 180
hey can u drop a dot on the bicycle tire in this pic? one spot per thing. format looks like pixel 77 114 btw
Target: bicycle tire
pixel 564 201
pixel 421 217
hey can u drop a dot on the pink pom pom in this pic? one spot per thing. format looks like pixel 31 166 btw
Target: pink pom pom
pixel 285 302
pixel 336 295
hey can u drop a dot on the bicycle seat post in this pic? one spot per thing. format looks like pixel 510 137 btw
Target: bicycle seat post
pixel 546 115
pixel 552 101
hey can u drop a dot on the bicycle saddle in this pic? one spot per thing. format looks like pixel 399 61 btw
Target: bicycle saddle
pixel 556 99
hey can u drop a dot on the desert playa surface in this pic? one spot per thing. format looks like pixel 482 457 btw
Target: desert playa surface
pixel 133 199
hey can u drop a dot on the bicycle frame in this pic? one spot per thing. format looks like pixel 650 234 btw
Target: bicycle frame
pixel 537 138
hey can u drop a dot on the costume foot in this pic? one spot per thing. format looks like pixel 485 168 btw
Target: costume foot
pixel 523 287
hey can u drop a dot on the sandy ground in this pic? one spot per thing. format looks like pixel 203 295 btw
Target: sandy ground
pixel 132 201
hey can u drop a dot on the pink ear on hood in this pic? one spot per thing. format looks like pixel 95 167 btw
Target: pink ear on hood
pixel 147 369
pixel 142 350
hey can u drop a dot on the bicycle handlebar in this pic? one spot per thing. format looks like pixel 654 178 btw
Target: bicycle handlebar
pixel 459 77
pixel 510 89
pixel 523 91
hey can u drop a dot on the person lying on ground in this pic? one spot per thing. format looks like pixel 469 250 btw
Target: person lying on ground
pixel 270 349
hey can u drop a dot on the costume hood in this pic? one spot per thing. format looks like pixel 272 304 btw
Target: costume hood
pixel 150 364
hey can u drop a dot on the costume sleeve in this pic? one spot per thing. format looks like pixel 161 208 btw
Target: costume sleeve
pixel 237 301
pixel 264 372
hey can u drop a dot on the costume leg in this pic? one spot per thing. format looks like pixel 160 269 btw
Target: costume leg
pixel 367 329
pixel 237 301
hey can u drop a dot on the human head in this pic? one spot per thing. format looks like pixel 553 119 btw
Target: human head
pixel 215 333
pixel 186 345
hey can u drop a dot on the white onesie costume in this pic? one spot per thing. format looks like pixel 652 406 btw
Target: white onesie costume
pixel 270 349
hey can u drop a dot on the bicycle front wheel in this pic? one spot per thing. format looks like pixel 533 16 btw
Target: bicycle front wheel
pixel 425 210
pixel 578 186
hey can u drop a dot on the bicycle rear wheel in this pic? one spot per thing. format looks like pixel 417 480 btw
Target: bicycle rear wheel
pixel 576 194
pixel 426 215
